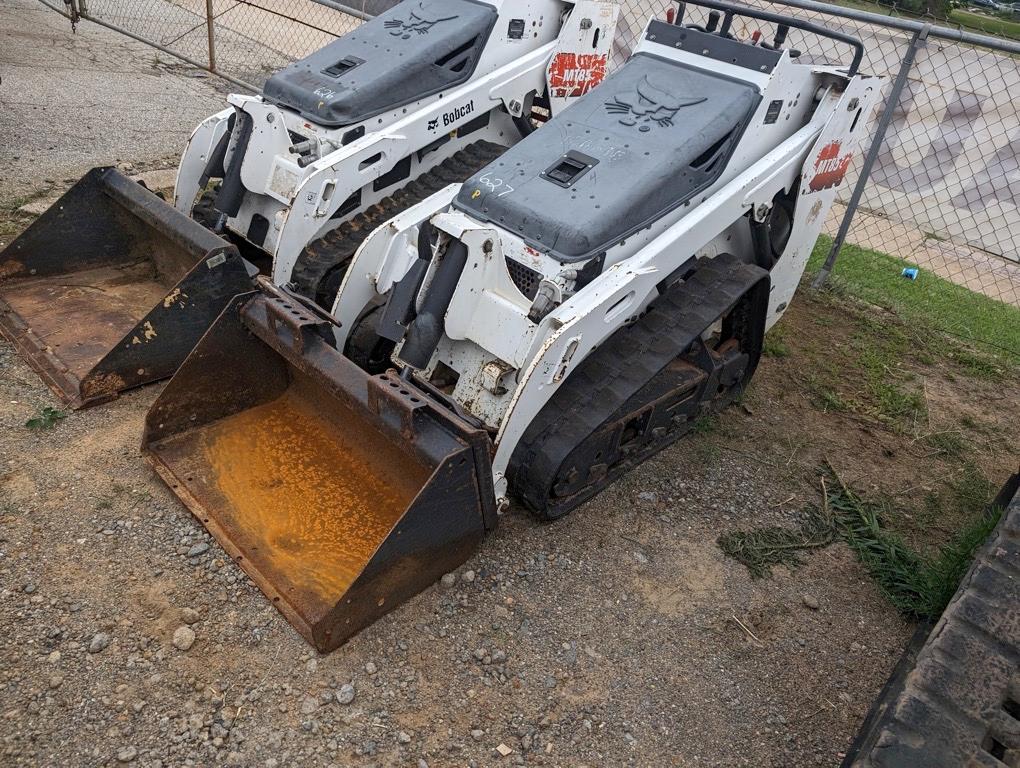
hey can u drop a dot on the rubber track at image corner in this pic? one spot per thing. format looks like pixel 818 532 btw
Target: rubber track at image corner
pixel 956 707
pixel 337 247
pixel 608 378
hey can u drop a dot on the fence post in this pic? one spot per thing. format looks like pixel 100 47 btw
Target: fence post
pixel 918 41
pixel 211 29
pixel 72 14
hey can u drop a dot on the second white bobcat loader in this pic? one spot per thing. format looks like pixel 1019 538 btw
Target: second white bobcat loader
pixel 534 333
pixel 111 288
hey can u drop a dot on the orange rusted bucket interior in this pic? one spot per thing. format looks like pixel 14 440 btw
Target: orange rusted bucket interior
pixel 301 491
pixel 341 494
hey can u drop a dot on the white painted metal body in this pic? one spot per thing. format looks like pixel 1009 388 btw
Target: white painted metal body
pixel 508 365
pixel 301 203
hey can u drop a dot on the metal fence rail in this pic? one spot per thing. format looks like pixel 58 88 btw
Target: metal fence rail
pixel 942 186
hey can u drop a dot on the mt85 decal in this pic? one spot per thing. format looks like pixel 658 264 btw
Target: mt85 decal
pixel 830 167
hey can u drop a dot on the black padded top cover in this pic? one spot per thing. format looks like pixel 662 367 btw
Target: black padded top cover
pixel 415 49
pixel 648 139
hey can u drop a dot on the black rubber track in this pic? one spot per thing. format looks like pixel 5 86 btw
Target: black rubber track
pixel 605 383
pixel 321 266
pixel 204 210
pixel 958 704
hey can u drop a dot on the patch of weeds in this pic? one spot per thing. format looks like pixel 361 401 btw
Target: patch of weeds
pixel 890 399
pixel 931 509
pixel 978 366
pixel 104 503
pixel 916 584
pixel 706 452
pixel 971 489
pixel 745 395
pixel 764 548
pixel 705 425
pixel 823 322
pixel 775 343
pixel 828 399
pixel 896 403
pixel 47 418
pixel 948 444
pixel 987 429
pixel 12 207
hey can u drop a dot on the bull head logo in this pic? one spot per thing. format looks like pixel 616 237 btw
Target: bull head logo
pixel 649 105
pixel 416 23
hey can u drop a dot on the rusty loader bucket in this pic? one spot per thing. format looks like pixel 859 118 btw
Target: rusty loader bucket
pixel 112 287
pixel 341 494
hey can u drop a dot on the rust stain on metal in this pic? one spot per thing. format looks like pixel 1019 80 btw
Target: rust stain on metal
pixel 80 316
pixel 815 212
pixel 313 498
pixel 11 267
pixel 105 384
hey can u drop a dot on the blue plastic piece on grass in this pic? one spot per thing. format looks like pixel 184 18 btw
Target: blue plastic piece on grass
pixel 910 273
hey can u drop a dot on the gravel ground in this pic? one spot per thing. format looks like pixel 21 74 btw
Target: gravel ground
pixel 610 638
pixel 69 102
pixel 618 636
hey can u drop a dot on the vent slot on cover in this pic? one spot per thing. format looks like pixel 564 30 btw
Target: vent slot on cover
pixel 710 156
pixel 457 59
pixel 525 278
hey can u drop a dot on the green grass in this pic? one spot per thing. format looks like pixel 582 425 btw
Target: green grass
pixel 891 397
pixel 989 25
pixel 959 17
pixel 930 303
pixel 918 584
pixel 775 342
pixel 949 444
pixel 762 549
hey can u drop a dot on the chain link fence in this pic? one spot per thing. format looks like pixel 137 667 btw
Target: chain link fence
pixel 942 191
pixel 244 41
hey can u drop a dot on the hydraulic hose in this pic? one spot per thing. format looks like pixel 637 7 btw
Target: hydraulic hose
pixel 214 169
pixel 424 333
pixel 761 244
pixel 401 308
pixel 524 125
pixel 231 193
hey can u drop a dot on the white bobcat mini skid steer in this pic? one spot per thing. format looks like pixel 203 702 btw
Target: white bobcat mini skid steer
pixel 111 288
pixel 566 313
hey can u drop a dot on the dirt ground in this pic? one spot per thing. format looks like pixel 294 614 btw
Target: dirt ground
pixel 619 636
